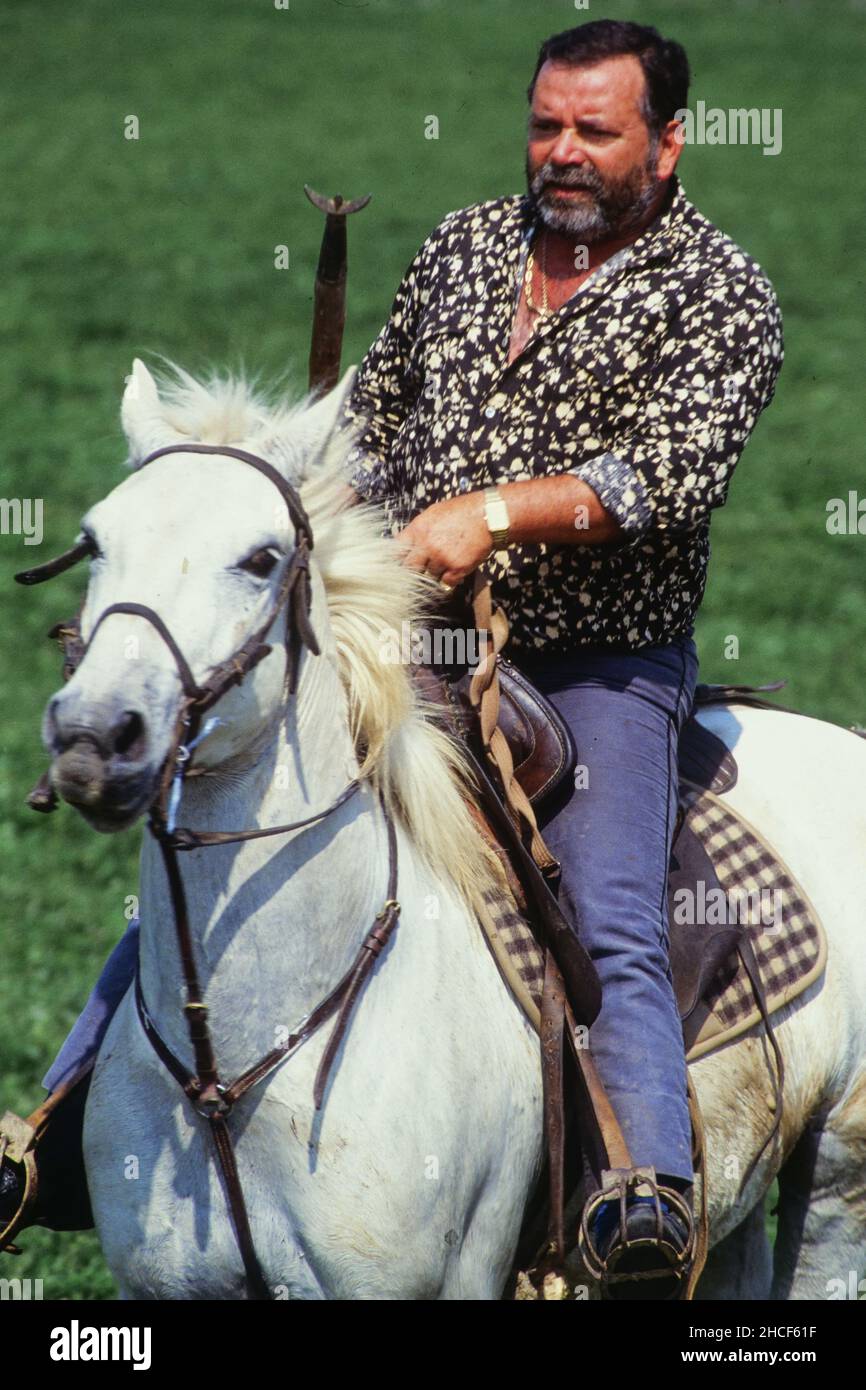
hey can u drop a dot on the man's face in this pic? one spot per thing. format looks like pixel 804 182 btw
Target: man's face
pixel 591 165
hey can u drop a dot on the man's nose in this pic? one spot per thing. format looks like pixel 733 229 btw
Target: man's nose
pixel 567 149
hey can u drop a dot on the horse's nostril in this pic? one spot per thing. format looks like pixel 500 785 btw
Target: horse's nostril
pixel 127 731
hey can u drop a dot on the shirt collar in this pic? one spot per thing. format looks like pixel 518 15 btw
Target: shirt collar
pixel 657 243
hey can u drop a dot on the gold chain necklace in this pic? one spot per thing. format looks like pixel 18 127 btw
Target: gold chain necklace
pixel 543 309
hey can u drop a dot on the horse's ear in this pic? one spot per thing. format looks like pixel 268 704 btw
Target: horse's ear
pixel 306 435
pixel 142 415
pixel 324 416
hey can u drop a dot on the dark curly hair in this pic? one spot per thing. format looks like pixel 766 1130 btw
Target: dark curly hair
pixel 664 62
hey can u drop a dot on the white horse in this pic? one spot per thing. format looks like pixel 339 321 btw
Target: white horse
pixel 411 1182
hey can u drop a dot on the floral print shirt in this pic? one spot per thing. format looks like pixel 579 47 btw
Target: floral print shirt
pixel 646 384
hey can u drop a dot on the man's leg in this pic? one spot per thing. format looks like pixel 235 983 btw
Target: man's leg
pixel 62 1202
pixel 92 1023
pixel 613 839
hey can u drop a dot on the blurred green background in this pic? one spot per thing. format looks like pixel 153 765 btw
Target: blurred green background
pixel 113 247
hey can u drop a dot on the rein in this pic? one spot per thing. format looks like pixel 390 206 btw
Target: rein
pixel 211 1098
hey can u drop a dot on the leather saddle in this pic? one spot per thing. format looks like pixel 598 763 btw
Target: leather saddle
pixel 545 754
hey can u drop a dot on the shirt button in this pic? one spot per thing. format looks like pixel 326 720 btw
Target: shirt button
pixel 463 485
pixel 489 413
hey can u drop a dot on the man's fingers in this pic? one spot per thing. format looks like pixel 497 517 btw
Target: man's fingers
pixel 415 559
pixel 449 579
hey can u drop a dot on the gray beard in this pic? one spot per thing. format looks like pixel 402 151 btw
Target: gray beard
pixel 606 212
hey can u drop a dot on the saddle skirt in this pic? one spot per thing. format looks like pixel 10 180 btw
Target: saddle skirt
pixel 725 883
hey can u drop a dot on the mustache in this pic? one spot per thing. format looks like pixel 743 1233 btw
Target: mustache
pixel 566 178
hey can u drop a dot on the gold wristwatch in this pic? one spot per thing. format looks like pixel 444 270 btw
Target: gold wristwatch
pixel 496 516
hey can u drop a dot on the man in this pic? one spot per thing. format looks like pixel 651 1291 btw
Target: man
pixel 561 393
pixel 567 379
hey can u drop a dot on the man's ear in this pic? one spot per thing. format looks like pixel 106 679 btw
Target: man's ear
pixel 671 144
pixel 142 415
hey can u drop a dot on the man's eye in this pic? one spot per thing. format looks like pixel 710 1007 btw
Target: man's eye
pixel 260 564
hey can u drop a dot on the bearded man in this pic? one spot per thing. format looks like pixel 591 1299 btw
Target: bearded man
pixel 562 391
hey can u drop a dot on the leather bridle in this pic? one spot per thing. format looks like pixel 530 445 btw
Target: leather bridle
pixel 212 1098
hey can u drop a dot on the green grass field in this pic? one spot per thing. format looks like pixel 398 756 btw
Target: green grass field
pixel 165 244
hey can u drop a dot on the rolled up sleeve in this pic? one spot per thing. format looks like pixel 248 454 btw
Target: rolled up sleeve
pixel 675 446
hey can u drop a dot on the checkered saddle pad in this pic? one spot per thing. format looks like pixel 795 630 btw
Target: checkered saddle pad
pixel 791 951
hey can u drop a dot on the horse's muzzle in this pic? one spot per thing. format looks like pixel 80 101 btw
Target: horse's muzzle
pixel 103 770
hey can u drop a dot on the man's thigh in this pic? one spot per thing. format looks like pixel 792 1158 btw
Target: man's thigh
pixel 612 831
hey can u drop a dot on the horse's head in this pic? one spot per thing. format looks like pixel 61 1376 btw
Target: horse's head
pixel 204 542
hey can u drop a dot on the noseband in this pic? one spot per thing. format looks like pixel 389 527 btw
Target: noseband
pixel 210 1097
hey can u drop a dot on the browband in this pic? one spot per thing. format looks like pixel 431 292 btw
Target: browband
pixel 298 517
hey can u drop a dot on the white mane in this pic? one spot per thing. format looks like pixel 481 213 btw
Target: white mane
pixel 420 771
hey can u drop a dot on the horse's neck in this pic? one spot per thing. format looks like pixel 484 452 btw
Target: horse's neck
pixel 275 922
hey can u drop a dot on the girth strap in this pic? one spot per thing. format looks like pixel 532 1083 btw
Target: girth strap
pixel 552 1060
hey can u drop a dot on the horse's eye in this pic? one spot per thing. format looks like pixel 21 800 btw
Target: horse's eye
pixel 259 564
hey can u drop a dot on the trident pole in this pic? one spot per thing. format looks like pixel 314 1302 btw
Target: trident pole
pixel 329 302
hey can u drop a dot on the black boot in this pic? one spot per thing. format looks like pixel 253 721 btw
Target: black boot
pixel 638 1237
pixel 61 1201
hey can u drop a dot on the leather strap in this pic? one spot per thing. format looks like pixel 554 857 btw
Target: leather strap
pixel 183 838
pixel 297 515
pixel 613 1139
pixel 557 1024
pixel 777 1077
pixel 354 982
pixel 484 694
pixel 579 973
pixel 552 1058
pixel 699 1164
pixel 222 1142
pixel 51 568
pixel 140 610
pixel 214 1100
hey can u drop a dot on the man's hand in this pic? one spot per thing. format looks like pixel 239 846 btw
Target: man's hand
pixel 449 540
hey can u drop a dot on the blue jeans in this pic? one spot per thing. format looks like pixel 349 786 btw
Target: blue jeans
pixel 91 1026
pixel 613 839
